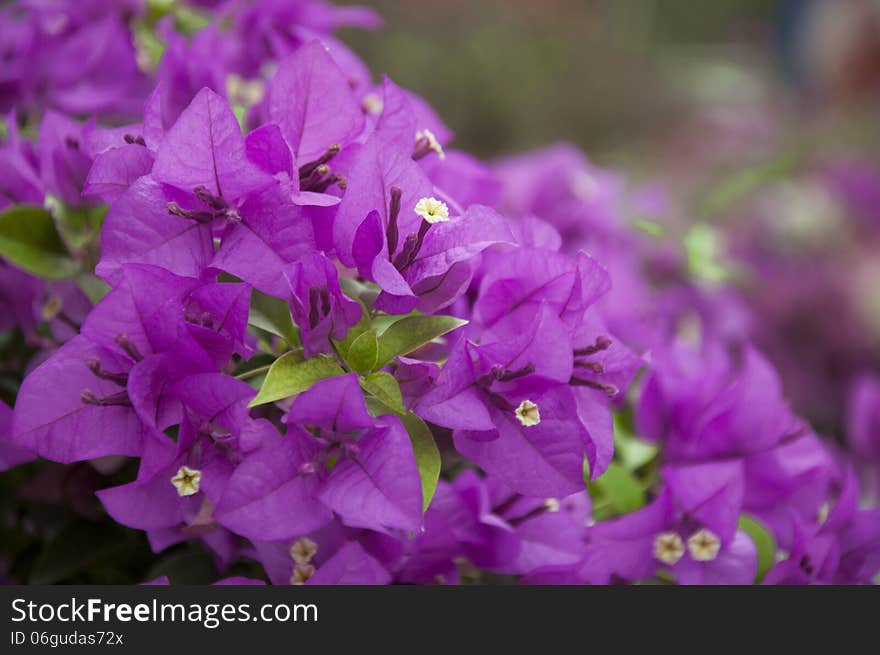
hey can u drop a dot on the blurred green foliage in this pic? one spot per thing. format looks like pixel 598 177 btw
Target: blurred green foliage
pixel 508 76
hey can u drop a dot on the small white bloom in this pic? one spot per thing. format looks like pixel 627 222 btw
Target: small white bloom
pixel 303 550
pixel 186 481
pixel 668 547
pixel 52 308
pixel 704 545
pixel 244 92
pixel 528 413
pixel 372 104
pixel 301 574
pixel 432 210
pixel 433 143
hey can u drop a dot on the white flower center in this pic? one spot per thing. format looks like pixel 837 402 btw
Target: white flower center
pixel 551 504
pixel 433 143
pixel 302 550
pixel 301 574
pixel 432 210
pixel 52 308
pixel 528 413
pixel 241 91
pixel 704 545
pixel 668 547
pixel 186 481
pixel 372 104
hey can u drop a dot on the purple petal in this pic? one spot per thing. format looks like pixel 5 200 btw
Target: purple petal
pixel 267 498
pixel 51 419
pixel 350 565
pixel 115 170
pixel 544 460
pixel 379 487
pixel 139 229
pixel 311 101
pixel 205 148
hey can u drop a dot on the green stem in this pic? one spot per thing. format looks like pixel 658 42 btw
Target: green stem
pixel 254 372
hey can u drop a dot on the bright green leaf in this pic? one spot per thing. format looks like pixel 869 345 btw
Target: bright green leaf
pixel 427 455
pixel 764 543
pixel 408 334
pixel 149 47
pixel 383 321
pixel 632 452
pixel 363 352
pixel 290 375
pixel 29 239
pixel 385 388
pixel 272 315
pixel 703 247
pixel 620 489
pixel 241 116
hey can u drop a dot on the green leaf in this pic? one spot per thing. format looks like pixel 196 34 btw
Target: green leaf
pixel 383 321
pixel 632 452
pixel 703 247
pixel 649 227
pixel 272 315
pixel 364 352
pixel 240 112
pixel 764 542
pixel 30 240
pixel 77 546
pixel 385 388
pixel 148 45
pixel 254 370
pixel 386 397
pixel 190 20
pixel 77 225
pixel 427 455
pixel 290 375
pixel 409 334
pixel 364 292
pixel 620 488
pixel 737 186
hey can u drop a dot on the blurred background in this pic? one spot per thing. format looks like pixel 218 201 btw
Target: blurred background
pixel 754 120
pixel 611 75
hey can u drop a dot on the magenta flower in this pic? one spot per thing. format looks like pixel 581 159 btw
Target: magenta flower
pixel 318 305
pixel 863 428
pixel 109 383
pixel 180 484
pixel 334 458
pixel 844 548
pixel 76 57
pixel 681 532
